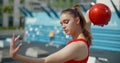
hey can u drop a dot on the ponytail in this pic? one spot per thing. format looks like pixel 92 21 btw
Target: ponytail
pixel 86 33
pixel 88 36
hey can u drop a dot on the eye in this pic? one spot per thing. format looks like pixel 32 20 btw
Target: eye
pixel 66 21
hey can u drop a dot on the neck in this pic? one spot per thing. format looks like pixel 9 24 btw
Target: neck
pixel 78 35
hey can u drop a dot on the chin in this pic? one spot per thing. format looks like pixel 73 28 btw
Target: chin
pixel 68 34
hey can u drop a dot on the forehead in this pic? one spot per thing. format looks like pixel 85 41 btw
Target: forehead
pixel 65 16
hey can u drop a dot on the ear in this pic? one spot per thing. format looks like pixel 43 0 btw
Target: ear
pixel 77 20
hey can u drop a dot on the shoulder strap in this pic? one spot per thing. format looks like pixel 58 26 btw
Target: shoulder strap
pixel 80 39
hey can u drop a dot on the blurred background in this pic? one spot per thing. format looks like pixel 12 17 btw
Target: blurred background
pixel 37 20
pixel 11 14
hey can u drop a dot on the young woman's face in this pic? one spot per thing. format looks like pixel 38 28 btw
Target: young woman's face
pixel 68 23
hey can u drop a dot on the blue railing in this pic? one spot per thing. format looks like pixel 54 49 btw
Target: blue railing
pixel 106 39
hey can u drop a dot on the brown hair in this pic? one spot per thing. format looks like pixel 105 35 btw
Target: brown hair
pixel 77 12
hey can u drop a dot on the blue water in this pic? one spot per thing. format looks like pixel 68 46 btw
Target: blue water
pixel 40 33
pixel 38 28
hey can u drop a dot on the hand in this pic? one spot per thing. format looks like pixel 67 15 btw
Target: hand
pixel 13 49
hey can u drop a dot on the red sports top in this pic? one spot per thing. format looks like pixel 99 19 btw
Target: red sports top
pixel 84 60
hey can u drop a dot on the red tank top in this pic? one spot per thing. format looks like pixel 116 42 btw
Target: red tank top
pixel 84 60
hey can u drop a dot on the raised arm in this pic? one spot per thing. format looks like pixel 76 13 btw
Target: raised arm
pixel 88 22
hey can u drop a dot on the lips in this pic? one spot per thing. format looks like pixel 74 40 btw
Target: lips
pixel 65 31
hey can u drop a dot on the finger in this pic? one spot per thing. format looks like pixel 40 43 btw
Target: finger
pixel 13 37
pixel 12 42
pixel 17 38
pixel 18 47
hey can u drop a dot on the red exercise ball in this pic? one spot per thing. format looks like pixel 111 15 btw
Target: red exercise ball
pixel 100 14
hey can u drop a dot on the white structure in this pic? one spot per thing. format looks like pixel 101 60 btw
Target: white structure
pixel 109 4
pixel 5 15
pixel 16 13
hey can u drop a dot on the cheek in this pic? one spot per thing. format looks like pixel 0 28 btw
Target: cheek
pixel 71 28
pixel 71 25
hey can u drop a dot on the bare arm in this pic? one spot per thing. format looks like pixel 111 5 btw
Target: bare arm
pixel 88 22
pixel 71 51
pixel 25 59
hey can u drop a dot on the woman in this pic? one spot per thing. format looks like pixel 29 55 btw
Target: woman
pixel 76 50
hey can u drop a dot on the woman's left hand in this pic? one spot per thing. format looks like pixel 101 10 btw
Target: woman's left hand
pixel 13 49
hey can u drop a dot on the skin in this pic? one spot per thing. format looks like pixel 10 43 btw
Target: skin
pixel 76 50
pixel 88 21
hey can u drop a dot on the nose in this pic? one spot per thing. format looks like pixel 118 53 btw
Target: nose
pixel 63 26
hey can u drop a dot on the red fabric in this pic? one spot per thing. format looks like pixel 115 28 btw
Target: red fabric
pixel 84 60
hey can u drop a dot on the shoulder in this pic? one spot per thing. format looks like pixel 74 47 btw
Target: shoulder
pixel 79 48
pixel 77 44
